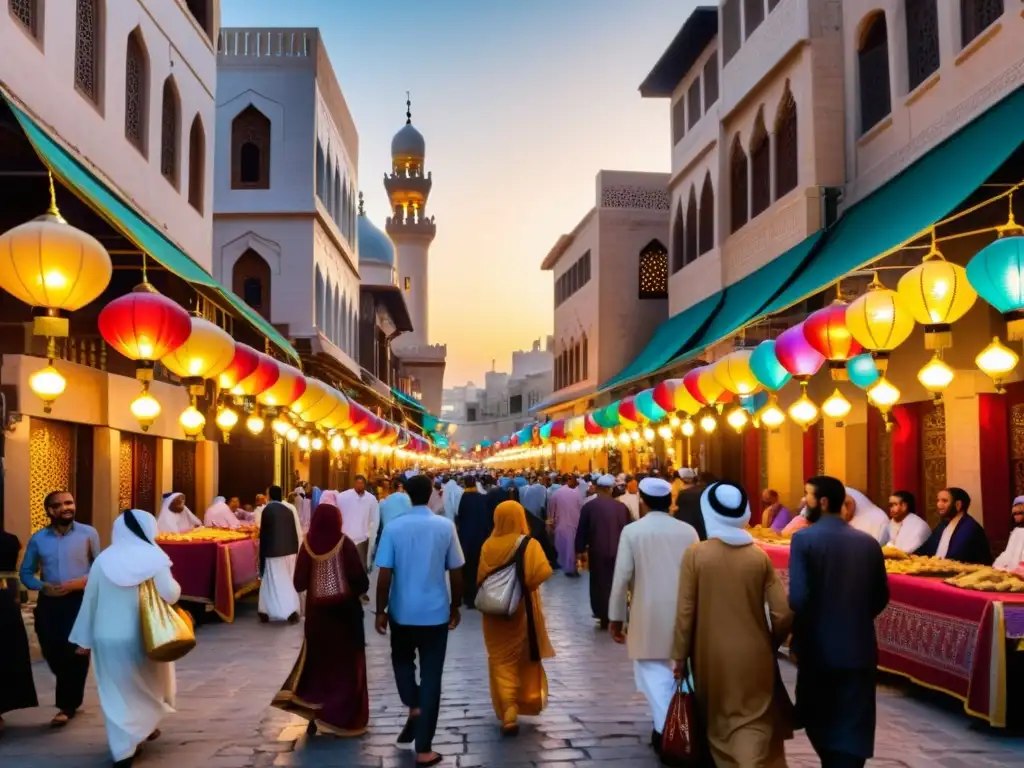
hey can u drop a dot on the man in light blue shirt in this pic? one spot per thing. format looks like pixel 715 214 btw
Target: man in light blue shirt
pixel 62 554
pixel 419 552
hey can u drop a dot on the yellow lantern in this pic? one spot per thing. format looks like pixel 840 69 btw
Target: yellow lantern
pixel 47 384
pixel 996 361
pixel 688 428
pixel 880 321
pixel 288 388
pixel 207 351
pixel 313 404
pixel 738 418
pixel 836 406
pixel 708 423
pixel 304 443
pixel 937 293
pixel 770 414
pixel 664 433
pixel 935 376
pixel 192 422
pixel 710 387
pixel 255 423
pixel 145 408
pixel 734 374
pixel 337 443
pixel 804 412
pixel 292 435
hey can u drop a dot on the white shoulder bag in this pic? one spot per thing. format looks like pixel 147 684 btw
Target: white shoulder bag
pixel 501 592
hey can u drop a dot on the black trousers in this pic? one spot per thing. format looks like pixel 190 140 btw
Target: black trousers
pixel 55 618
pixel 841 760
pixel 432 644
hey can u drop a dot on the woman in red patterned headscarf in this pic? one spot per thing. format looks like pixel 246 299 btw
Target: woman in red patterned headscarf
pixel 327 685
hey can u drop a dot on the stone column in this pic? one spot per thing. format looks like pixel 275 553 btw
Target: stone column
pixel 164 467
pixel 106 480
pixel 207 473
pixel 785 464
pixel 963 439
pixel 846 447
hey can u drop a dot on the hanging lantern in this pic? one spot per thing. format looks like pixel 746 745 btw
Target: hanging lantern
pixel 304 443
pixel 862 371
pixel 688 428
pixel 245 361
pixel 337 443
pixel 796 355
pixel 997 273
pixel 260 380
pixel 937 293
pixel 770 414
pixel 647 406
pixel 629 416
pixel 592 427
pixel 664 394
pixel 286 390
pixel 315 402
pixel 826 331
pixel 665 433
pixel 47 384
pixel 292 436
pixel 765 365
pixel 708 422
pixel 144 326
pixel 935 376
pixel 145 408
pixel 690 384
pixel 317 443
pixel 714 393
pixel 997 361
pixel 683 400
pixel 803 411
pixel 206 353
pixel 880 321
pixel 883 394
pixel 734 374
pixel 738 418
pixel 649 435
pixel 192 422
pixel 226 419
pixel 836 407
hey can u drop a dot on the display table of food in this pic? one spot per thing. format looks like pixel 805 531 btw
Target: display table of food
pixel 213 566
pixel 953 639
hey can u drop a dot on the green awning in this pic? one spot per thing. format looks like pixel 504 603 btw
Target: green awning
pixel 905 206
pixel 669 337
pixel 409 402
pixel 123 217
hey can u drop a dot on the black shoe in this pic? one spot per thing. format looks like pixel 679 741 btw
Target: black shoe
pixel 603 624
pixel 264 618
pixel 408 735
pixel 656 741
pixel 294 618
pixel 311 728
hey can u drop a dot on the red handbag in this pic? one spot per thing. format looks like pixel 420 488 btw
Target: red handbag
pixel 680 743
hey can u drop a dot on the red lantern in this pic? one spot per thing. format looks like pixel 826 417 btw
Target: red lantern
pixel 360 418
pixel 245 361
pixel 665 394
pixel 796 354
pixel 826 331
pixel 558 430
pixel 690 382
pixel 286 390
pixel 144 326
pixel 259 381
pixel 591 426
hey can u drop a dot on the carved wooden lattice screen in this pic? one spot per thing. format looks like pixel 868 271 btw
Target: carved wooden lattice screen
pixel 933 459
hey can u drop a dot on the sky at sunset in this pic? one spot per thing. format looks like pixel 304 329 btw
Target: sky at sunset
pixel 521 104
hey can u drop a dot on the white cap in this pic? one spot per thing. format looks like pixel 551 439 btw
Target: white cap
pixel 687 474
pixel 655 486
pixel 606 481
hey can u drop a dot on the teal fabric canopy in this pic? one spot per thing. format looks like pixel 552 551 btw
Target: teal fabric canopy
pixel 123 217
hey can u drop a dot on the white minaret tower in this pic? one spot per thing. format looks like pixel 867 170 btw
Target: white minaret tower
pixel 409 228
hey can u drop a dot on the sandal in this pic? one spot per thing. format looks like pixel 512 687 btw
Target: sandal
pixel 435 760
pixel 60 720
pixel 154 735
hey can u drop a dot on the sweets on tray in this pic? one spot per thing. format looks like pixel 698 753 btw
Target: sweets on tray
pixel 891 553
pixel 987 579
pixel 205 535
pixel 768 535
pixel 918 565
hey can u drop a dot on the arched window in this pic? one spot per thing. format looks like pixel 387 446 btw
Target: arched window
pixel 577 364
pixel 976 16
pixel 336 198
pixel 706 227
pixel 678 239
pixel 922 41
pixel 654 271
pixel 787 159
pixel 326 328
pixel 760 168
pixel 136 92
pixel 337 322
pixel 691 227
pixel 353 230
pixel 319 303
pixel 558 371
pixel 196 164
pixel 27 12
pixel 170 118
pixel 200 10
pixel 250 150
pixel 88 48
pixel 873 71
pixel 250 279
pixel 586 358
pixel 353 329
pixel 737 186
pixel 321 171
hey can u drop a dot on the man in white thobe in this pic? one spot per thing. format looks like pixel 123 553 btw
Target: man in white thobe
pixel 862 514
pixel 175 517
pixel 219 515
pixel 452 495
pixel 631 498
pixel 906 531
pixel 648 565
pixel 280 539
pixel 360 517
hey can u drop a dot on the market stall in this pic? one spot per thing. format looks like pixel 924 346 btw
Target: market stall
pixel 214 567
pixel 945 638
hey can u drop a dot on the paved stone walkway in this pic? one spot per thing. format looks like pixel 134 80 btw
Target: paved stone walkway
pixel 595 717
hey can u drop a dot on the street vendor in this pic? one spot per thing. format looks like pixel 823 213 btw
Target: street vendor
pixel 1012 558
pixel 175 517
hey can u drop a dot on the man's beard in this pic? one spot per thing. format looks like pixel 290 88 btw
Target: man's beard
pixel 813 514
pixel 61 521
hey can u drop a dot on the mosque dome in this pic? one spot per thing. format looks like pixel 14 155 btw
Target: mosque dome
pixel 374 246
pixel 408 143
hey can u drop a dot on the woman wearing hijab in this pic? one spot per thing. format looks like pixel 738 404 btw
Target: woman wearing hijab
pixel 135 692
pixel 1013 556
pixel 721 627
pixel 18 690
pixel 327 685
pixel 175 517
pixel 219 515
pixel 516 644
pixel 865 516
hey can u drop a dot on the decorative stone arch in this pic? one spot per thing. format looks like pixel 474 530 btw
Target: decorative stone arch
pixel 319 298
pixel 136 91
pixel 272 110
pixel 251 280
pixel 760 154
pixel 787 149
pixel 233 249
pixel 874 93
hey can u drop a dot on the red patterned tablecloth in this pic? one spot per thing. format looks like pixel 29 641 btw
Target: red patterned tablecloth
pixel 942 637
pixel 215 572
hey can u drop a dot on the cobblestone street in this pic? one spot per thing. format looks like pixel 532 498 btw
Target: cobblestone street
pixel 595 717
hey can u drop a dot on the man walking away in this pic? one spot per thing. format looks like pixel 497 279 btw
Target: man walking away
pixel 417 551
pixel 601 522
pixel 837 586
pixel 62 554
pixel 686 505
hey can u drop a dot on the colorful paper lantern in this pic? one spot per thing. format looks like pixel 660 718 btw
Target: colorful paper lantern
pixel 286 390
pixel 206 353
pixel 684 400
pixel 338 417
pixel 664 394
pixel 880 321
pixel 591 426
pixel 937 293
pixel 144 326
pixel 997 361
pixel 796 355
pixel 629 416
pixel 245 361
pixel 690 383
pixel 733 373
pixel 997 273
pixel 647 407
pixel 826 331
pixel 765 366
pixel 265 376
pixel 862 371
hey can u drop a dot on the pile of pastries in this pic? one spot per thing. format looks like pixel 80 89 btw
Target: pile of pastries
pixel 891 553
pixel 205 535
pixel 768 535
pixel 988 580
pixel 918 565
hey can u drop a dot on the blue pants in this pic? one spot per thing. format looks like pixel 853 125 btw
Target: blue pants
pixel 432 644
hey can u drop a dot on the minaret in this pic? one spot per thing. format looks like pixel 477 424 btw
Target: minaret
pixel 409 227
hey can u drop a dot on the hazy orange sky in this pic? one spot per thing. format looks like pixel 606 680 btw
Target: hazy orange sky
pixel 521 104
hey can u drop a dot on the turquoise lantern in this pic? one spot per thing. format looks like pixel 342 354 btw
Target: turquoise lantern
pixel 753 403
pixel 545 431
pixel 997 273
pixel 649 409
pixel 766 367
pixel 862 370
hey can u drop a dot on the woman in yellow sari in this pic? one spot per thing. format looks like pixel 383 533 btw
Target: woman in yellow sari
pixel 518 683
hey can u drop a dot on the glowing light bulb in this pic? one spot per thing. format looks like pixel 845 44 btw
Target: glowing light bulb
pixel 649 434
pixel 145 408
pixel 883 394
pixel 192 422
pixel 708 423
pixel 47 384
pixel 280 426
pixel 771 415
pixel 255 424
pixel 674 421
pixel 304 443
pixel 665 433
pixel 804 412
pixel 634 436
pixel 935 376
pixel 292 435
pixel 738 418
pixel 689 428
pixel 317 443
pixel 996 361
pixel 337 443
pixel 836 406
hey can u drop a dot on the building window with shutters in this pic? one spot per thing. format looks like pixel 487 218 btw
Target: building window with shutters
pixel 873 72
pixel 169 120
pixel 693 103
pixel 678 239
pixel 731 32
pixel 88 45
pixel 787 159
pixel 136 92
pixel 976 16
pixel 678 121
pixel 922 41
pixel 710 78
pixel 250 150
pixel 706 227
pixel 737 186
pixel 196 164
pixel 27 13
pixel 654 271
pixel 586 358
pixel 760 168
pixel 691 227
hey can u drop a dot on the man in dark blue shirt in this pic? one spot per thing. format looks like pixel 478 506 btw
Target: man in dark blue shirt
pixel 61 554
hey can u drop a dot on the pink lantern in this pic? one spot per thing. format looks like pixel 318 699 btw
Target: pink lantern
pixel 690 382
pixel 796 355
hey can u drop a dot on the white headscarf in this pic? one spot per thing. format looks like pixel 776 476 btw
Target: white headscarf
pixel 868 517
pixel 219 515
pixel 732 530
pixel 175 522
pixel 330 497
pixel 129 561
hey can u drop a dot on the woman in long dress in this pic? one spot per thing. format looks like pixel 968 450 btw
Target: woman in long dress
pixel 516 644
pixel 18 690
pixel 327 685
pixel 135 692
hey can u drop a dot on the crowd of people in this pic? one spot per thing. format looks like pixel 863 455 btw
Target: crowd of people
pixel 439 543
